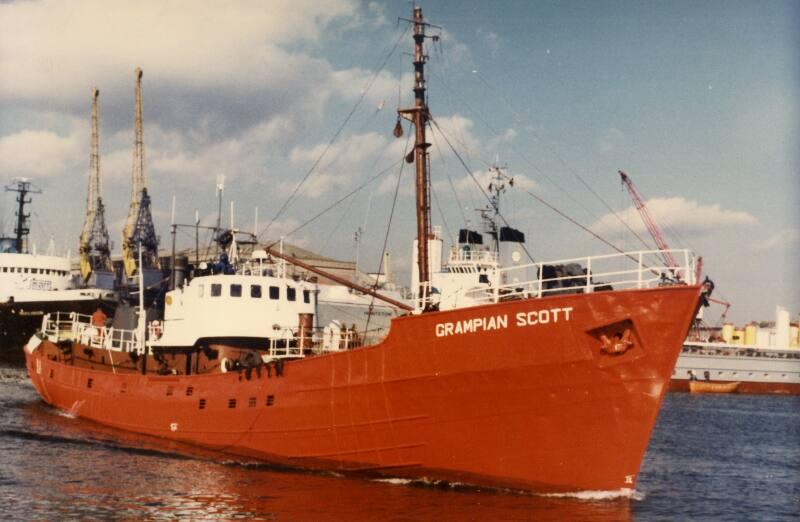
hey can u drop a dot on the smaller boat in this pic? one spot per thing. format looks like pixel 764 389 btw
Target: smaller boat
pixel 713 387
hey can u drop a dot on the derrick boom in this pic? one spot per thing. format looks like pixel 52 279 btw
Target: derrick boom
pixel 139 228
pixel 655 232
pixel 95 247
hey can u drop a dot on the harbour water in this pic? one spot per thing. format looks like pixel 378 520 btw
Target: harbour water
pixel 731 457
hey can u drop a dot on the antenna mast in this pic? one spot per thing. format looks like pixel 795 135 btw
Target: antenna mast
pixel 139 227
pixel 489 214
pixel 23 187
pixel 95 247
pixel 420 116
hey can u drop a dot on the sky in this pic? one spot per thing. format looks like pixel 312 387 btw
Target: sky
pixel 699 102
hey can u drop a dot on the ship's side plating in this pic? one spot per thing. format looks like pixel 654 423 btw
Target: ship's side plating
pixel 524 394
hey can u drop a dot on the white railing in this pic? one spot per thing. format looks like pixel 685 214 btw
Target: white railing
pixel 463 255
pixel 286 342
pixel 295 342
pixel 629 270
pixel 61 326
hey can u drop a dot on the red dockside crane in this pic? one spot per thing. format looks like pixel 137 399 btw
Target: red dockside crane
pixel 655 232
pixel 648 221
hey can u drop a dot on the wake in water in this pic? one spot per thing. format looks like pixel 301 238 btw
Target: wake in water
pixel 599 495
pixel 622 493
pixel 13 375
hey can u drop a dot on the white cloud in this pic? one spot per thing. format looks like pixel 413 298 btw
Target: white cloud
pixel 342 162
pixel 226 91
pixel 508 136
pixel 41 153
pixel 453 50
pixel 74 44
pixel 677 213
pixel 458 131
pixel 214 71
pixel 781 239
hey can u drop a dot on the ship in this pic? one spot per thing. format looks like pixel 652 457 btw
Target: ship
pixel 33 285
pixel 761 360
pixel 549 382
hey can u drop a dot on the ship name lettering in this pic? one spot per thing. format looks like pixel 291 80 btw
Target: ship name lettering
pixel 477 324
pixel 548 315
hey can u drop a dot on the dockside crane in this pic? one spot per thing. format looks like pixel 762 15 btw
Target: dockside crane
pixel 95 247
pixel 655 232
pixel 139 231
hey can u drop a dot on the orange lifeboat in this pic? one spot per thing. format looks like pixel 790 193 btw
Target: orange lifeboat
pixel 713 387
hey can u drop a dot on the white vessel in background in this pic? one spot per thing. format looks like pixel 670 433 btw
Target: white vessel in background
pixel 32 285
pixel 761 359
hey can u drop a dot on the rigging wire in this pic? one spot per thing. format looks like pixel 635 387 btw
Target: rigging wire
pixel 561 160
pixel 538 198
pixel 338 224
pixel 338 201
pixel 441 216
pixel 336 135
pixel 471 175
pixel 450 181
pixel 386 236
pixel 470 195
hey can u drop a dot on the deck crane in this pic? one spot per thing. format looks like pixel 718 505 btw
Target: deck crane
pixel 95 247
pixel 139 228
pixel 648 221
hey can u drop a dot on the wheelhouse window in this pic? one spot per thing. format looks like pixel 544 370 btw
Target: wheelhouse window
pixel 306 296
pixel 236 290
pixel 255 291
pixel 274 292
pixel 216 290
pixel 291 293
pixel 200 290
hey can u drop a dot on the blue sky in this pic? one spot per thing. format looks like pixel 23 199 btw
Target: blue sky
pixel 697 101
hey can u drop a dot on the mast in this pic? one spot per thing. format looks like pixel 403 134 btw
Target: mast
pixel 94 248
pixel 23 187
pixel 419 116
pixel 490 213
pixel 139 227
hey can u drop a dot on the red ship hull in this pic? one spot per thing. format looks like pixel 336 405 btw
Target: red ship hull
pixel 534 402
